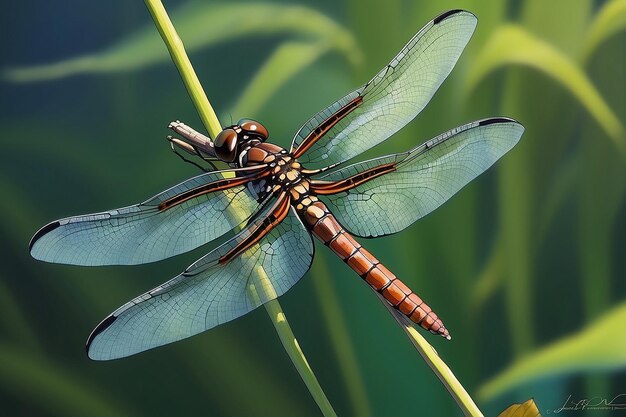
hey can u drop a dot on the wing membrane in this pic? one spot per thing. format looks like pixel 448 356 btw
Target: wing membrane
pixel 425 177
pixel 144 232
pixel 208 293
pixel 394 96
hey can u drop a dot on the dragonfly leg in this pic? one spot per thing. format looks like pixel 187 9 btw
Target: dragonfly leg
pixel 258 230
pixel 209 161
pixel 195 138
pixel 176 144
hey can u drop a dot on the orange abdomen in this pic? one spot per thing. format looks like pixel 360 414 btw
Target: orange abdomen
pixel 329 231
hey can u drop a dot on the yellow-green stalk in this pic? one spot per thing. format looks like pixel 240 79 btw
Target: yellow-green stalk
pixel 209 118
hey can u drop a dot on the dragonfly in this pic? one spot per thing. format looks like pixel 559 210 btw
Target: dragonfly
pixel 271 202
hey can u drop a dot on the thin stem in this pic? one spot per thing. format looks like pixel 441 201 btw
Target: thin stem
pixel 207 114
pixel 183 64
pixel 290 342
pixel 296 355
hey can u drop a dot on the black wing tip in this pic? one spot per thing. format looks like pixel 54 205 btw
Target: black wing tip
pixel 496 120
pixel 443 16
pixel 44 230
pixel 104 324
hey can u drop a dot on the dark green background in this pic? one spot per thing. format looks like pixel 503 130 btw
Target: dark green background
pixel 550 216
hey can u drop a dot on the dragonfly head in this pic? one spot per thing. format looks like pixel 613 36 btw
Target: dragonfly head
pixel 228 141
pixel 251 129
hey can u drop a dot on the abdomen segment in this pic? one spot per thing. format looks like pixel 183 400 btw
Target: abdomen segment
pixel 326 228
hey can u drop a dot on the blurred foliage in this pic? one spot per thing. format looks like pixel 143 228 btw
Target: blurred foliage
pixel 609 21
pixel 512 45
pixel 576 353
pixel 201 25
pixel 28 377
pixel 287 60
pixel 538 242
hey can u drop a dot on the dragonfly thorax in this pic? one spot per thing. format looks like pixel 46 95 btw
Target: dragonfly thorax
pixel 260 153
pixel 285 172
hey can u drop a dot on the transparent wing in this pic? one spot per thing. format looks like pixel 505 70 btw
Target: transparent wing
pixel 207 293
pixel 145 233
pixel 424 179
pixel 394 96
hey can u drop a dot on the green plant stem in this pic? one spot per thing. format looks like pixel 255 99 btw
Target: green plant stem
pixel 438 366
pixel 181 60
pixel 209 118
pixel 291 345
pixel 296 355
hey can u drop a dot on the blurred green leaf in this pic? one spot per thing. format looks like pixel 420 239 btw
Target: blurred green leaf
pixel 340 336
pixel 144 48
pixel 19 211
pixel 513 45
pixel 562 185
pixel 13 318
pixel 599 346
pixel 490 278
pixel 527 409
pixel 537 16
pixel 286 61
pixel 610 20
pixel 20 214
pixel 52 389
pixel 564 182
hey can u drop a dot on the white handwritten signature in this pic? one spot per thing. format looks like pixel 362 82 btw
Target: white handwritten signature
pixel 594 403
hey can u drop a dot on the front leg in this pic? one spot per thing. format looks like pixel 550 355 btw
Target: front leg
pixel 176 144
pixel 195 138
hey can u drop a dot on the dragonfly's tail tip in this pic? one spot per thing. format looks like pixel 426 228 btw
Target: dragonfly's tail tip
pixel 445 333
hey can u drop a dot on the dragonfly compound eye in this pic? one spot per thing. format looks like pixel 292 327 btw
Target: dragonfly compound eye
pixel 255 128
pixel 226 145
